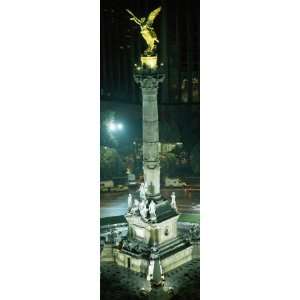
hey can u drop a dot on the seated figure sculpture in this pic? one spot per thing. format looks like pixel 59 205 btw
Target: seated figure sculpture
pixel 129 202
pixel 142 191
pixel 173 202
pixel 146 187
pixel 152 208
pixel 135 206
pixel 143 209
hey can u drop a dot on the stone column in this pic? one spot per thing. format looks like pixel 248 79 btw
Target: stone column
pixel 148 79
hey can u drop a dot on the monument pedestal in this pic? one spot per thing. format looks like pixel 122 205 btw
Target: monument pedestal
pixel 152 234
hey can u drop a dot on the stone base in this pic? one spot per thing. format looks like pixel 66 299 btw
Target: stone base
pixel 149 61
pixel 152 234
pixel 155 198
pixel 177 259
pixel 141 264
pixel 136 264
pixel 164 210
pixel 196 249
pixel 107 253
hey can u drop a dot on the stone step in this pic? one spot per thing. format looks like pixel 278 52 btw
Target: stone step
pixel 171 243
pixel 172 246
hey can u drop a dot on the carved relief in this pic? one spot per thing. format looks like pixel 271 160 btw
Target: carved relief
pixel 148 82
pixel 152 165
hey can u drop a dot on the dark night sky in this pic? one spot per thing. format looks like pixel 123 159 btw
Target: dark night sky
pixel 177 27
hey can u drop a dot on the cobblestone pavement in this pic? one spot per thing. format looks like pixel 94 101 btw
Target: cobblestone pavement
pixel 185 280
pixel 119 283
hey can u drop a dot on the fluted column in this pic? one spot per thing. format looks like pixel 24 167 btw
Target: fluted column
pixel 148 80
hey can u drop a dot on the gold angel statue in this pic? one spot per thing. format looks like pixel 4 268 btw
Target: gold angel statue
pixel 147 30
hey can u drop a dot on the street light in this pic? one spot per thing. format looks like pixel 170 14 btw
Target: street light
pixel 114 126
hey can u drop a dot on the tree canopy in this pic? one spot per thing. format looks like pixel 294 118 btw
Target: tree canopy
pixel 169 132
pixel 168 164
pixel 111 164
pixel 195 159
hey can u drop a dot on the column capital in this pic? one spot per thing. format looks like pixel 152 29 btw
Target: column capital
pixel 148 78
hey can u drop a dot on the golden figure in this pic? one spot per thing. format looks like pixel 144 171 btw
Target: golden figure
pixel 147 30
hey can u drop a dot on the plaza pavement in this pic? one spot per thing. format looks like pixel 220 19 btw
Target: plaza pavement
pixel 120 283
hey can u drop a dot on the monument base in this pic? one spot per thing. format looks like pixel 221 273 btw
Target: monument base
pixel 172 255
pixel 149 61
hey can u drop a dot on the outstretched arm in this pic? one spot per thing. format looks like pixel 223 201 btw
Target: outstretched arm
pixel 134 18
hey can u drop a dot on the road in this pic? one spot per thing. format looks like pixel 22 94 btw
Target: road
pixel 114 204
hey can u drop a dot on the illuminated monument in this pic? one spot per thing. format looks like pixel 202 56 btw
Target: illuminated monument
pixel 152 246
pixel 148 76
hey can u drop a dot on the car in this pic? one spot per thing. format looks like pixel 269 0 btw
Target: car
pixel 106 186
pixel 174 182
pixel 119 188
pixel 104 189
pixel 131 180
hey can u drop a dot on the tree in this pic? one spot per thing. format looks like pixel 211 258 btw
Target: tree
pixel 168 164
pixel 169 132
pixel 195 159
pixel 190 130
pixel 111 164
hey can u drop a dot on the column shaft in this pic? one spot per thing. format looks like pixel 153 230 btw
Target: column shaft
pixel 148 82
pixel 151 140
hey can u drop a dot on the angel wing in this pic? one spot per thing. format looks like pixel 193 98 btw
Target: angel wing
pixel 153 15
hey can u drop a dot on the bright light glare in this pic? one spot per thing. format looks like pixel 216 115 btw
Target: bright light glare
pixel 112 126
